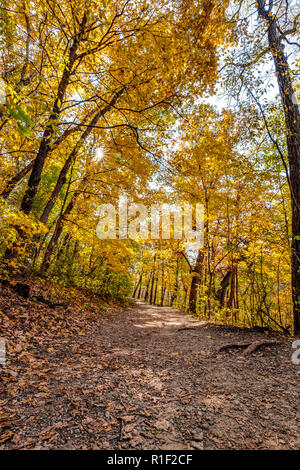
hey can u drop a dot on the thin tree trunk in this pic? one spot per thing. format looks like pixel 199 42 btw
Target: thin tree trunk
pixel 139 294
pixel 292 125
pixel 14 180
pixel 221 294
pixel 162 293
pixel 152 280
pixel 59 227
pixel 147 288
pixel 155 290
pixel 45 145
pixel 196 279
pixel 232 289
pixel 175 291
pixel 137 285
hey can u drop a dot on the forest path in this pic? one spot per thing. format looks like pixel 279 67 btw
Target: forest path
pixel 143 381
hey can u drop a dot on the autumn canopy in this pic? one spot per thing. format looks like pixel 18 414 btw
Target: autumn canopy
pixel 168 102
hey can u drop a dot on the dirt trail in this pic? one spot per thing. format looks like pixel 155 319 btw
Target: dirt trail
pixel 143 381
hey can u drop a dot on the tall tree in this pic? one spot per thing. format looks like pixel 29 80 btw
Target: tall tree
pixel 268 12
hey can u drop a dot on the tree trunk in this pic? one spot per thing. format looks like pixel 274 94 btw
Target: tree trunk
pixel 221 294
pixel 292 125
pixel 140 289
pixel 45 145
pixel 155 291
pixel 14 180
pixel 147 288
pixel 152 281
pixel 162 293
pixel 137 285
pixel 152 288
pixel 175 291
pixel 59 227
pixel 232 288
pixel 196 279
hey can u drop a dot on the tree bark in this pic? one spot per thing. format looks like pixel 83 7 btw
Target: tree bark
pixel 176 286
pixel 139 293
pixel 14 180
pixel 196 279
pixel 45 145
pixel 137 285
pixel 147 288
pixel 163 288
pixel 59 228
pixel 292 125
pixel 221 294
pixel 152 280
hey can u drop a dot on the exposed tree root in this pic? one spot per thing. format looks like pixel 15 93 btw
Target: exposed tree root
pixel 250 347
pixel 50 303
pixel 188 328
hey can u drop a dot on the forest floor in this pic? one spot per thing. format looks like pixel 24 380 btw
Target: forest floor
pixel 142 377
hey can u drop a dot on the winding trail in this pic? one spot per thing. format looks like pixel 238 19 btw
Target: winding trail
pixel 151 378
